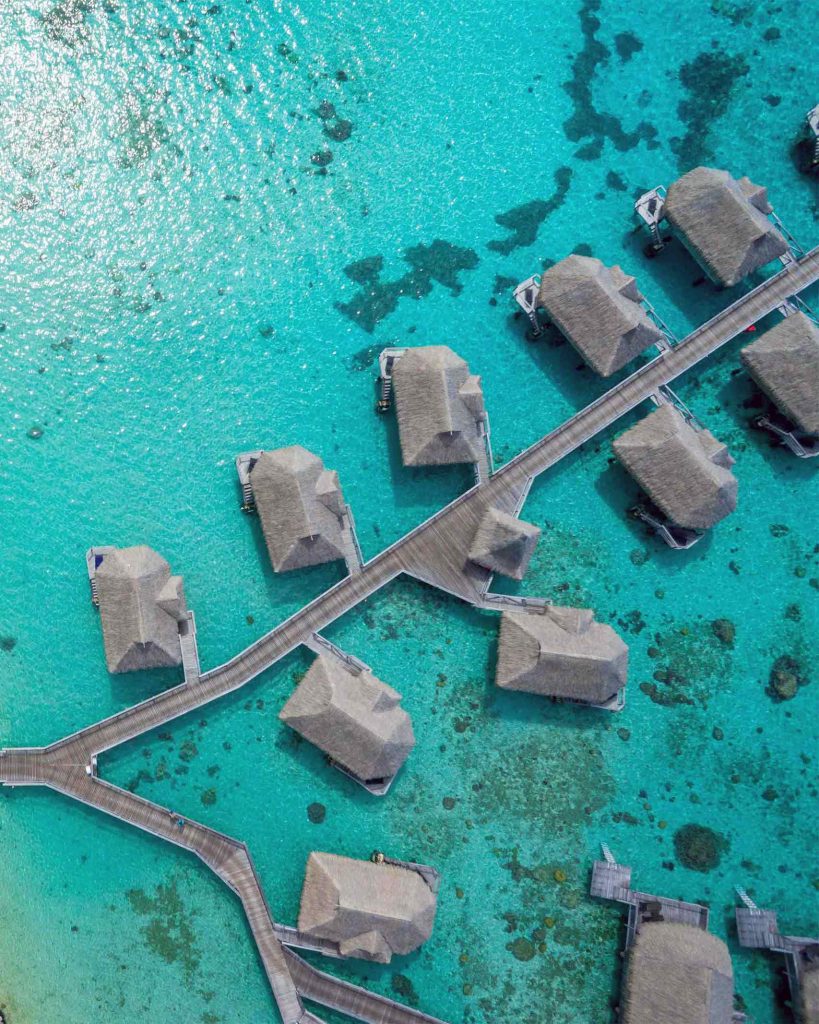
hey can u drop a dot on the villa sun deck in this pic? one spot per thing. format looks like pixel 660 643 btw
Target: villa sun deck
pixel 612 881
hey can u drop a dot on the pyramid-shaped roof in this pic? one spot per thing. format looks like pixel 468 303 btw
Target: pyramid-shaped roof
pixel 677 974
pixel 723 222
pixel 560 652
pixel 598 309
pixel 354 718
pixel 503 543
pixel 784 362
pixel 371 910
pixel 439 404
pixel 299 504
pixel 686 472
pixel 140 605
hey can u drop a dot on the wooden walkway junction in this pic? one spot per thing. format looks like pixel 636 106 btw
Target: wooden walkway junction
pixel 434 552
pixel 612 881
pixel 759 929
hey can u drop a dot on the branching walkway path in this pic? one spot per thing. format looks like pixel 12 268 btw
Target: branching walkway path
pixel 434 552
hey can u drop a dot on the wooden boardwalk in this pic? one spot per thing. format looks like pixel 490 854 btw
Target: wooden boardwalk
pixel 289 976
pixel 434 552
pixel 612 881
pixel 759 929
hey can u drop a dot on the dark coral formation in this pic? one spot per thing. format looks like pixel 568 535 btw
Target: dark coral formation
pixel 440 261
pixel 698 847
pixel 524 221
pixel 787 675
pixel 586 121
pixel 627 44
pixel 316 813
pixel 710 81
pixel 725 631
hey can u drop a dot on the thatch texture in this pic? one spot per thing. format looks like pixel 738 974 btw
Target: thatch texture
pixel 140 604
pixel 562 652
pixel 503 543
pixel 677 974
pixel 809 994
pixel 299 503
pixel 370 910
pixel 785 364
pixel 356 719
pixel 723 222
pixel 439 406
pixel 598 309
pixel 685 472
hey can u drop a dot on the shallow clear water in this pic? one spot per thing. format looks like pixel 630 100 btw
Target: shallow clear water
pixel 180 280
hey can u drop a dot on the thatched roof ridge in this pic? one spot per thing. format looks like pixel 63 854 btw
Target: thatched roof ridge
pixel 685 472
pixel 356 719
pixel 503 543
pixel 562 652
pixel 371 910
pixel 784 362
pixel 299 504
pixel 723 222
pixel 439 404
pixel 677 974
pixel 598 309
pixel 140 606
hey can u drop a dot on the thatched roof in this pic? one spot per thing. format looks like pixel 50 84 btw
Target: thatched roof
pixel 809 994
pixel 299 503
pixel 677 974
pixel 439 406
pixel 370 910
pixel 356 719
pixel 598 309
pixel 686 472
pixel 784 362
pixel 140 604
pixel 503 543
pixel 562 652
pixel 723 222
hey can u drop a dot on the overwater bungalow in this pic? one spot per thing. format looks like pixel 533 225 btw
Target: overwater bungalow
pixel 355 719
pixel 141 607
pixel 300 505
pixel 677 974
pixel 723 222
pixel 676 971
pixel 439 403
pixel 759 929
pixel 371 910
pixel 598 309
pixel 562 652
pixel 504 544
pixel 784 362
pixel 686 472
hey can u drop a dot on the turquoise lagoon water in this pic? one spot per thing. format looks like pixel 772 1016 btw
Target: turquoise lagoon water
pixel 185 273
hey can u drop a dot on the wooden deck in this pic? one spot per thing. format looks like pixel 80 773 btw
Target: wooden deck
pixel 434 552
pixel 612 881
pixel 759 929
